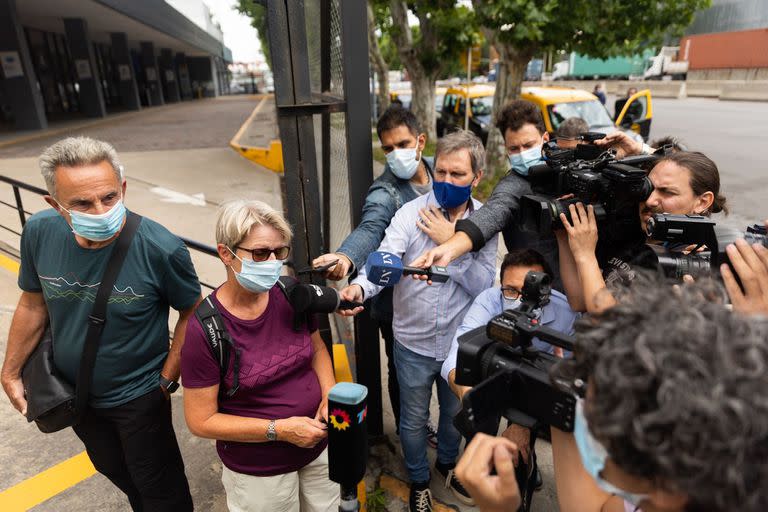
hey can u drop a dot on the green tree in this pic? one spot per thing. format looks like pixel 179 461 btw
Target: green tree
pixel 379 22
pixel 445 30
pixel 519 29
pixel 258 15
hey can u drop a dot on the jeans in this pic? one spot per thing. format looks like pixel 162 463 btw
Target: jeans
pixel 416 375
pixel 134 445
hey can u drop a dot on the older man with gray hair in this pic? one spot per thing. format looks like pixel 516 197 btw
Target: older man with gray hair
pixel 426 317
pixel 126 427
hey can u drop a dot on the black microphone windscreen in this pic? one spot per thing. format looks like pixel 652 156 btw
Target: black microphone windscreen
pixel 314 299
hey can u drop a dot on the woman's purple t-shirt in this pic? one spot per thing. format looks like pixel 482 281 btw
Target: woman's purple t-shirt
pixel 276 381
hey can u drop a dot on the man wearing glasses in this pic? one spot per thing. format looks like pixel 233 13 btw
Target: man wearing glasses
pixel 556 315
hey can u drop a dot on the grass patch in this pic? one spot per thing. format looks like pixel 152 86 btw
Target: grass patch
pixel 376 501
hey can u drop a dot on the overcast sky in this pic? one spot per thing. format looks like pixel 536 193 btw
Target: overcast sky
pixel 239 35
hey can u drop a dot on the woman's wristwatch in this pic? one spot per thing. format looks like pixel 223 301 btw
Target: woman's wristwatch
pixel 271 431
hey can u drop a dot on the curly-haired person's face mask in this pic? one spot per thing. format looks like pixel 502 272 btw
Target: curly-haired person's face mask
pixel 636 491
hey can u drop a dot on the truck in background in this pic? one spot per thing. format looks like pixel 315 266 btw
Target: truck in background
pixel 581 67
pixel 666 66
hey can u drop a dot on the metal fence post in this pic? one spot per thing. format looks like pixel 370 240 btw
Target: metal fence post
pixel 354 42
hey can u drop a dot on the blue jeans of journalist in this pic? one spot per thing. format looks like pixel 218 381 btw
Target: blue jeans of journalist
pixel 416 374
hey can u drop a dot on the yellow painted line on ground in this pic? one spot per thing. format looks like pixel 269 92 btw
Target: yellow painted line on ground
pixel 9 264
pixel 271 157
pixel 247 123
pixel 36 489
pixel 341 363
pixel 45 485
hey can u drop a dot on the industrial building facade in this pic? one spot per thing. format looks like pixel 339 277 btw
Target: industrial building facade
pixel 728 41
pixel 70 59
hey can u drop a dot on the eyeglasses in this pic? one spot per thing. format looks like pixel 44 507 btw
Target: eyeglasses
pixel 510 292
pixel 263 253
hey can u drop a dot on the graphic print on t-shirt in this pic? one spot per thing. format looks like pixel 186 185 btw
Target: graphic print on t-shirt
pixel 285 361
pixel 70 288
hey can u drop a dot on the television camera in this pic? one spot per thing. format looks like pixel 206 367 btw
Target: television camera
pixel 508 375
pixel 613 186
pixel 703 237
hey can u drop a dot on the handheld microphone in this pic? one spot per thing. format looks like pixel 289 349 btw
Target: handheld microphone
pixel 347 440
pixel 386 269
pixel 318 299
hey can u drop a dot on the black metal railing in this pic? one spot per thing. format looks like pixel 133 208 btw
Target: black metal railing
pixel 18 186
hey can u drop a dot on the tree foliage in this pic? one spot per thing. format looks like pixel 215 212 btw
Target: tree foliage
pixel 258 15
pixel 445 29
pixel 520 29
pixel 598 29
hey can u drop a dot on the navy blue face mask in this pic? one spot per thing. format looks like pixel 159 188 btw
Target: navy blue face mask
pixel 449 195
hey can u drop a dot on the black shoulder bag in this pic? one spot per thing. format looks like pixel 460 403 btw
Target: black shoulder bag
pixel 52 402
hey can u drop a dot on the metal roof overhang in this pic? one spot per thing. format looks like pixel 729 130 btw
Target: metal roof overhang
pixel 141 20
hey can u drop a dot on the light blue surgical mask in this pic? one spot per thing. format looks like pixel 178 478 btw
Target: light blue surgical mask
pixel 257 276
pixel 97 228
pixel 522 162
pixel 511 303
pixel 404 162
pixel 593 456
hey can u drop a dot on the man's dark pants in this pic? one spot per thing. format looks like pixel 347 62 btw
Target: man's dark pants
pixel 134 445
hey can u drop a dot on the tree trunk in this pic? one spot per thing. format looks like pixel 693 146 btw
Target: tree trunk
pixel 508 82
pixel 423 103
pixel 378 63
pixel 422 82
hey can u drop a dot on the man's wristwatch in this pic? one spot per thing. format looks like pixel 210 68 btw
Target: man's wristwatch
pixel 169 385
pixel 271 431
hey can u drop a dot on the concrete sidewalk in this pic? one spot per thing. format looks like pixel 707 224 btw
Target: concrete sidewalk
pixel 180 186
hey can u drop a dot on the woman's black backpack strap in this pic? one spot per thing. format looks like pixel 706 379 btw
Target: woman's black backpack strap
pixel 219 342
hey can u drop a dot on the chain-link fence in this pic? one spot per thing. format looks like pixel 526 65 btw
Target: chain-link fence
pixel 320 60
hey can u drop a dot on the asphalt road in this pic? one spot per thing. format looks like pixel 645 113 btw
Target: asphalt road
pixel 732 133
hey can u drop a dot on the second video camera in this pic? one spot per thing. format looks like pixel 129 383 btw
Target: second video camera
pixel 509 377
pixel 704 240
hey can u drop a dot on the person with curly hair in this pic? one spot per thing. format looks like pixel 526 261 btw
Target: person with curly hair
pixel 673 415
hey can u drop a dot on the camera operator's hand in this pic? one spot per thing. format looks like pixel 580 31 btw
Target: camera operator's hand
pixel 434 224
pixel 582 233
pixel 337 271
pixel 521 437
pixel 352 293
pixel 492 493
pixel 751 264
pixel 622 143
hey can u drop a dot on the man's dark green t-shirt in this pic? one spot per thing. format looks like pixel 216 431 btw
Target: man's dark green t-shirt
pixel 157 273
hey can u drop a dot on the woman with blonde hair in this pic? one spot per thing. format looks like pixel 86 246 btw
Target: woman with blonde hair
pixel 269 422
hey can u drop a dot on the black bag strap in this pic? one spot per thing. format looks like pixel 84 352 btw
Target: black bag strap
pixel 221 343
pixel 99 312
